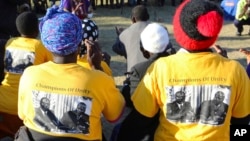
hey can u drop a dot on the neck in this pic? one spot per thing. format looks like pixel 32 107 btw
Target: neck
pixel 197 51
pixel 71 58
pixel 28 36
pixel 34 35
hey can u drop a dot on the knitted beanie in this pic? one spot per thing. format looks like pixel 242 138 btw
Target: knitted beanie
pixel 197 24
pixel 61 32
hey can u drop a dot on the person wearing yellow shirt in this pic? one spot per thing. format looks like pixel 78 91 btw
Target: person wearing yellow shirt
pixel 91 32
pixel 20 53
pixel 61 100
pixel 199 73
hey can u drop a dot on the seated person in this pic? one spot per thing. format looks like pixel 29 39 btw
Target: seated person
pixel 184 71
pixel 155 44
pixel 127 43
pixel 8 26
pixel 20 53
pixel 91 32
pixel 67 85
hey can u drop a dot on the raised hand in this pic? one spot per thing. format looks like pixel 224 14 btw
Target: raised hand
pixel 94 54
pixel 219 50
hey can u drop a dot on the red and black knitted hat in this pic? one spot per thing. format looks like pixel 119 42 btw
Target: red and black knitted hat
pixel 197 24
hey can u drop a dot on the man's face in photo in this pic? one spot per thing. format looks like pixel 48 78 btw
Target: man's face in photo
pixel 180 97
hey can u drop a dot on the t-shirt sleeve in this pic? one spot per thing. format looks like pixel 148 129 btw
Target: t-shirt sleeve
pixel 144 98
pixel 114 101
pixel 21 93
pixel 42 54
pixel 106 68
pixel 241 107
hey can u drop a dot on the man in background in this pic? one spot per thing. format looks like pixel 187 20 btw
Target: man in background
pixel 128 41
pixel 242 16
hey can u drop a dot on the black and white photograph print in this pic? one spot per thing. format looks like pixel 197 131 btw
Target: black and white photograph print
pixel 62 113
pixel 17 60
pixel 180 109
pixel 213 111
pixel 204 104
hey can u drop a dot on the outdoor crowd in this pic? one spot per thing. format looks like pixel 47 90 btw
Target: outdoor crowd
pixel 59 86
pixel 40 6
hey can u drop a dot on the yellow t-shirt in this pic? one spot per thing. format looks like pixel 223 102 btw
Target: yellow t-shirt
pixel 240 7
pixel 84 63
pixel 68 100
pixel 19 53
pixel 200 76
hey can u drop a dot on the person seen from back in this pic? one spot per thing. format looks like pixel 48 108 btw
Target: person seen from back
pixel 91 32
pixel 128 41
pixel 9 10
pixel 20 53
pixel 155 44
pixel 66 84
pixel 197 71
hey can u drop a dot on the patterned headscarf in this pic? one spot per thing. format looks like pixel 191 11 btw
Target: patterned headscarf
pixel 61 32
pixel 90 30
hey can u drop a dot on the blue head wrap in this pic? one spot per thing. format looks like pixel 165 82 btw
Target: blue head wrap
pixel 61 32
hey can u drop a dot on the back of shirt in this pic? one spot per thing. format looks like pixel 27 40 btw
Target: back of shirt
pixel 20 53
pixel 197 94
pixel 68 100
pixel 82 61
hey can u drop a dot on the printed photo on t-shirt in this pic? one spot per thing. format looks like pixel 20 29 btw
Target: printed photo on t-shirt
pixel 17 60
pixel 204 104
pixel 62 113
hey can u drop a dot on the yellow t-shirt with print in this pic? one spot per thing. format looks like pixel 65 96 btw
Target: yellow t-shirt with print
pixel 200 76
pixel 20 53
pixel 68 100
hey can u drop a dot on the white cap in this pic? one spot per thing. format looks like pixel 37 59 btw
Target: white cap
pixel 154 38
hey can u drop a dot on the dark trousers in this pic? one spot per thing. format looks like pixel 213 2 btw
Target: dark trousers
pixel 239 24
pixel 26 134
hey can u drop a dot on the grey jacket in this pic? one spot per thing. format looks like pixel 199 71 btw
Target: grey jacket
pixel 128 44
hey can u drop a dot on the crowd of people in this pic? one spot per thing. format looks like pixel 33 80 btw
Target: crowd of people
pixel 81 6
pixel 60 86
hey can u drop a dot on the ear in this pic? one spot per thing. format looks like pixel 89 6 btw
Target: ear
pixel 145 53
